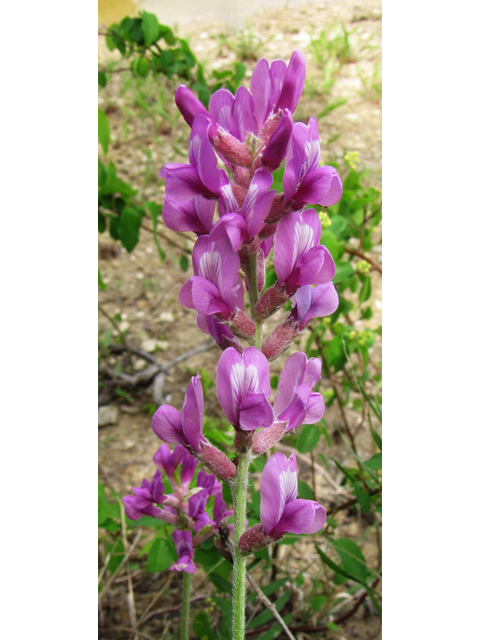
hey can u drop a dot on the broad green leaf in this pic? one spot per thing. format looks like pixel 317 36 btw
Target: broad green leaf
pixel 101 284
pixel 142 67
pixel 375 462
pixel 352 557
pixel 305 491
pixel 317 603
pixel 343 270
pixel 160 557
pixel 102 79
pixel 117 553
pixel 202 627
pixel 103 130
pixel 309 437
pixel 330 241
pixel 184 263
pixel 335 353
pixel 366 290
pixel 150 27
pixel 223 586
pixel 129 228
pixel 267 615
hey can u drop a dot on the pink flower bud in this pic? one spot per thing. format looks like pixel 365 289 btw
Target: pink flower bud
pixel 273 298
pixel 266 438
pixel 217 462
pixel 253 539
pixel 241 324
pixel 231 148
pixel 280 339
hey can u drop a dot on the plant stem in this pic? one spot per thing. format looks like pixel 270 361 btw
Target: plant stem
pixel 239 560
pixel 185 606
pixel 251 275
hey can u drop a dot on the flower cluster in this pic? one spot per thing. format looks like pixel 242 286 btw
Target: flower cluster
pixel 252 133
pixel 185 508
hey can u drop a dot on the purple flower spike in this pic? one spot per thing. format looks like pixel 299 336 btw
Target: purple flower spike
pixel 316 302
pixel 243 388
pixel 184 547
pixel 183 428
pixel 276 87
pixel 304 179
pixel 299 260
pixel 280 510
pixel 209 482
pixel 193 215
pixel 294 400
pixel 189 105
pixel 200 177
pixel 234 114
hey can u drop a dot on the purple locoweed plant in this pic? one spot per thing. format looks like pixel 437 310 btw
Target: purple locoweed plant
pixel 252 133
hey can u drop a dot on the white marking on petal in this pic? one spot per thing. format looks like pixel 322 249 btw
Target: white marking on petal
pixel 288 485
pixel 303 238
pixel 249 202
pixel 209 266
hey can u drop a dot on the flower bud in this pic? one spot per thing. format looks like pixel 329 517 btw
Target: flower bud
pixel 273 298
pixel 280 339
pixel 241 324
pixel 266 438
pixel 275 151
pixel 231 149
pixel 253 539
pixel 217 462
pixel 189 105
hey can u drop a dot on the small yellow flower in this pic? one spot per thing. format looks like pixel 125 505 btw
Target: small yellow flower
pixel 352 159
pixel 363 267
pixel 324 219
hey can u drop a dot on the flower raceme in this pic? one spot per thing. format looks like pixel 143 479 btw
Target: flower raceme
pixel 281 511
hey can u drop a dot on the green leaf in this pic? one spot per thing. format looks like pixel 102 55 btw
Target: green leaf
pixel 309 437
pixel 103 130
pixel 150 27
pixel 184 263
pixel 117 553
pixel 202 626
pixel 129 228
pixel 352 557
pixel 335 353
pixel 366 290
pixel 223 586
pixel 343 270
pixel 305 492
pixel 143 66
pixel 267 615
pixel 102 79
pixel 375 462
pixel 330 241
pixel 317 603
pixel 101 283
pixel 377 438
pixel 160 556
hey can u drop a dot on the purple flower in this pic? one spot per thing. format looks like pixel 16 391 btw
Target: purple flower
pixel 294 400
pixel 241 224
pixel 298 258
pixel 304 179
pixel 192 215
pixel 216 287
pixel 275 150
pixel 184 547
pixel 170 463
pixel 276 86
pixel 145 497
pixel 189 105
pixel 183 428
pixel 219 331
pixel 234 114
pixel 243 388
pixel 280 510
pixel 316 302
pixel 201 177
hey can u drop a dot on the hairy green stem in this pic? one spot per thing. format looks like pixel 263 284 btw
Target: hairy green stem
pixel 239 560
pixel 251 275
pixel 185 606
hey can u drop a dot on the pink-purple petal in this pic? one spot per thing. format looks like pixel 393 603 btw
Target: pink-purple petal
pixel 255 411
pixel 167 425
